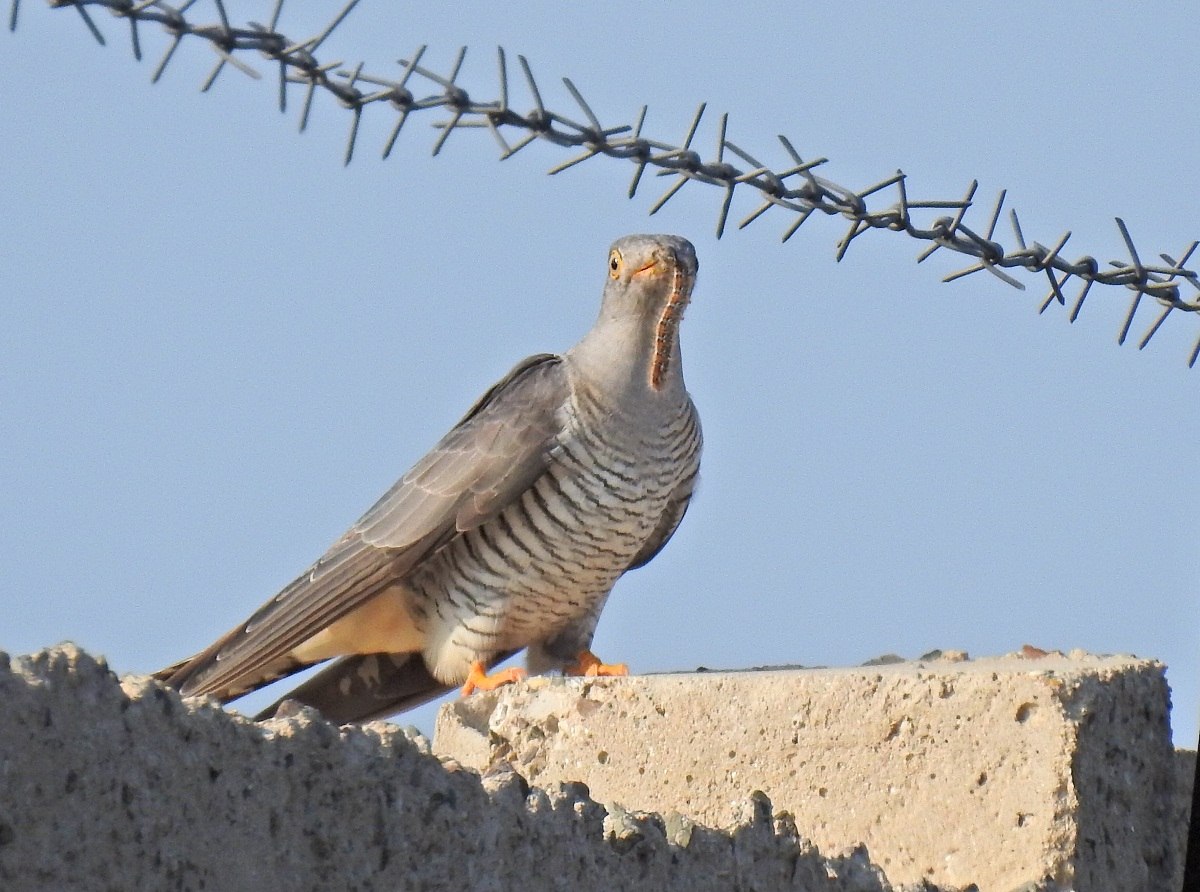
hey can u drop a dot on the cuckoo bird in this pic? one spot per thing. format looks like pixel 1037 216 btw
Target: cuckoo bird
pixel 508 535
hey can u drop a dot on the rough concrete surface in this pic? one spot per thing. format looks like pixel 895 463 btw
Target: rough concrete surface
pixel 1051 772
pixel 120 785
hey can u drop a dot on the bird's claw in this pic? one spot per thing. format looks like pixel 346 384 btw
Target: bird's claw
pixel 479 680
pixel 590 666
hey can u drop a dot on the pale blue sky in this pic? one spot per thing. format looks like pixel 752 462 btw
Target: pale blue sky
pixel 218 347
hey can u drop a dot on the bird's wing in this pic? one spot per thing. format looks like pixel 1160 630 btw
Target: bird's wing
pixel 487 460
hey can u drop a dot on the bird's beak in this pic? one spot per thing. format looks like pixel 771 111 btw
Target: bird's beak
pixel 659 264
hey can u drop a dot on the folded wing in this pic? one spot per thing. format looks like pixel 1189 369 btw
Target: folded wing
pixel 485 462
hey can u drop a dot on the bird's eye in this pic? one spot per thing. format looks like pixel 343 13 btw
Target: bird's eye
pixel 614 264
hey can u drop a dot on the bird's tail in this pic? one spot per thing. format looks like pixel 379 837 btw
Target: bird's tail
pixel 363 687
pixel 177 675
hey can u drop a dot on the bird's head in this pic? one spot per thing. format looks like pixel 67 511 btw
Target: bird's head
pixel 650 279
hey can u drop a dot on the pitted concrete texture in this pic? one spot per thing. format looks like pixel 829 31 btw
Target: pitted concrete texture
pixel 110 785
pixel 1056 772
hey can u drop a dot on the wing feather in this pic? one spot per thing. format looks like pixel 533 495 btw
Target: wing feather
pixel 363 687
pixel 486 461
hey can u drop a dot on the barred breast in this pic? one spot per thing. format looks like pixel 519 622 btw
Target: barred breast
pixel 551 557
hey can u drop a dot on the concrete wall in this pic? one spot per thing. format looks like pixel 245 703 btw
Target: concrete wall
pixel 110 784
pixel 996 772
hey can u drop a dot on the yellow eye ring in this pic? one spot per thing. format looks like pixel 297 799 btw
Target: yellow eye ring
pixel 615 264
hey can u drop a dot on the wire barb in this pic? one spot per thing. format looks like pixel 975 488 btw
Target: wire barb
pixel 795 188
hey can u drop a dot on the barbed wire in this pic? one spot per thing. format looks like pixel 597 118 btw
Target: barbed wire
pixel 795 189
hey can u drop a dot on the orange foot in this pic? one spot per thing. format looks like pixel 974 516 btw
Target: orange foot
pixel 479 680
pixel 589 664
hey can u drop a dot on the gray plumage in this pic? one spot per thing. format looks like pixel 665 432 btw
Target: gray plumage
pixel 510 533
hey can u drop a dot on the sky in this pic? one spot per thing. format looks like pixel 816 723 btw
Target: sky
pixel 219 346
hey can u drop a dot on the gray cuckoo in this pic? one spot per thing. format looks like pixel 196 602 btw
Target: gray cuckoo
pixel 508 535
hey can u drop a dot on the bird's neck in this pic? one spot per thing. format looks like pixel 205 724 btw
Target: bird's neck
pixel 618 357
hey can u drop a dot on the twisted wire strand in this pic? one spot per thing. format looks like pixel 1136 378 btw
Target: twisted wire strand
pixel 794 189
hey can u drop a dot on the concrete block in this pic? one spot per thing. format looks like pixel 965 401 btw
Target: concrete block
pixel 121 786
pixel 1056 772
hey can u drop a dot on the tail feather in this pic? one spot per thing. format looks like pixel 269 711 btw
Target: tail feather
pixel 178 675
pixel 363 687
